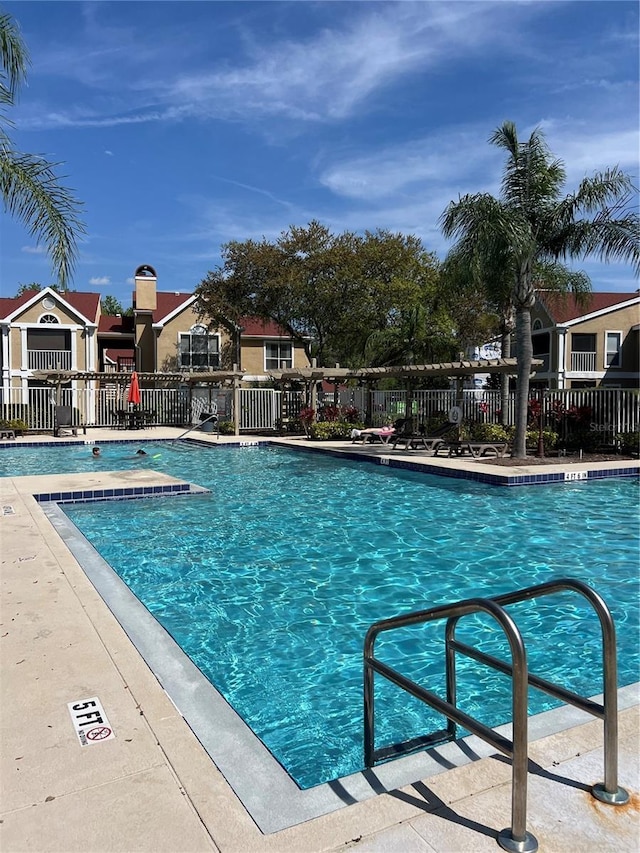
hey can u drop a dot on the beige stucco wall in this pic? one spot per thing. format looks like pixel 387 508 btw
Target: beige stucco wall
pixel 15 347
pixel 32 316
pixel 615 321
pixel 146 298
pixel 35 312
pixel 253 355
pixel 620 320
pixel 167 338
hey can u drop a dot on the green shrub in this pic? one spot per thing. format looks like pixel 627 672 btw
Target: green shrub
pixel 586 440
pixel 629 442
pixel 330 430
pixel 549 439
pixel 15 424
pixel 487 432
pixel 226 428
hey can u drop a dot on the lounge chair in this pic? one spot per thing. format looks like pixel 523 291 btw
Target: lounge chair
pixel 63 416
pixel 430 443
pixel 382 434
pixel 475 448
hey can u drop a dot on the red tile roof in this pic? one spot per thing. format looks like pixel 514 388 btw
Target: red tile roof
pixel 115 353
pixel 115 325
pixel 562 309
pixel 9 304
pixel 85 303
pixel 166 303
pixel 262 328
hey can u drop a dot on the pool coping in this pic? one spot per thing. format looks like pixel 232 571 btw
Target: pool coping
pixel 277 803
pixel 475 470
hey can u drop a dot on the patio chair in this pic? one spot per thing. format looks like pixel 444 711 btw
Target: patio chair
pixel 372 434
pixel 431 443
pixel 63 420
pixel 382 434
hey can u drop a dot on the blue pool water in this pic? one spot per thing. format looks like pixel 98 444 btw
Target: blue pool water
pixel 270 582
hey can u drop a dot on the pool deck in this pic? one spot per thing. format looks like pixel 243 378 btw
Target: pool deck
pixel 154 787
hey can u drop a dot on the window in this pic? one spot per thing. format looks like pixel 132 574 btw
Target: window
pixel 278 355
pixel 613 343
pixel 537 324
pixel 49 318
pixel 199 350
pixel 540 344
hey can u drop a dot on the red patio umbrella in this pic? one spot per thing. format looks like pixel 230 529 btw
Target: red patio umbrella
pixel 134 390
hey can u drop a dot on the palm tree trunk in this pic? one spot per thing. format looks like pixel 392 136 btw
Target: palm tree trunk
pixel 505 350
pixel 524 355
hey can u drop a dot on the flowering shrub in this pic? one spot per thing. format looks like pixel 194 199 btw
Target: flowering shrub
pixel 534 408
pixel 307 415
pixel 351 414
pixel 330 413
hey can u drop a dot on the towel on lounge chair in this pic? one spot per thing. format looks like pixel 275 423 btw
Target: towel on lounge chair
pixel 383 434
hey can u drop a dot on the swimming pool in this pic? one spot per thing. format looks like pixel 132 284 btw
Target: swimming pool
pixel 270 582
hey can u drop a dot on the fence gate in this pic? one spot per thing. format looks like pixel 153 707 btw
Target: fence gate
pixel 258 409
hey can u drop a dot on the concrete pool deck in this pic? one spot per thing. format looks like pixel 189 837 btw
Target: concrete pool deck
pixel 154 787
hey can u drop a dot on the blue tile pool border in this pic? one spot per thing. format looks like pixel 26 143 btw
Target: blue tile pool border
pixel 539 478
pixel 125 493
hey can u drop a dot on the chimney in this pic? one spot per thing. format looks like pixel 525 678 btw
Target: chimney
pixel 145 286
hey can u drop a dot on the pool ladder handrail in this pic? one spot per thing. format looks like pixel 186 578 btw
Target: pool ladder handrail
pixel 212 417
pixel 514 838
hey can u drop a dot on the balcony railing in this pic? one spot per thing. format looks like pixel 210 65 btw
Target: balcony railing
pixel 49 359
pixel 583 362
pixel 123 366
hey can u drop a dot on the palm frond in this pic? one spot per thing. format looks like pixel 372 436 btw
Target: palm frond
pixel 14 59
pixel 31 191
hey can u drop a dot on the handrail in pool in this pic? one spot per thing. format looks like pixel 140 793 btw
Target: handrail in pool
pixel 514 838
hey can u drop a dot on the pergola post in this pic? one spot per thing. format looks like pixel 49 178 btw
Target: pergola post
pixel 236 402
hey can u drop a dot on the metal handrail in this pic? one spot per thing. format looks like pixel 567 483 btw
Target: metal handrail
pixel 515 838
pixel 212 417
pixel 609 791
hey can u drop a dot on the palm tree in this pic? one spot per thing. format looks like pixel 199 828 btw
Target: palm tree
pixel 29 186
pixel 478 290
pixel 534 228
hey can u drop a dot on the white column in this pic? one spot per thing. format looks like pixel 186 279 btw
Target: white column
pixel 74 348
pixel 24 359
pixel 6 359
pixel 90 348
pixel 562 358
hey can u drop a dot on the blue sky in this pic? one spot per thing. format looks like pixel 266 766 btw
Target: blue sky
pixel 183 125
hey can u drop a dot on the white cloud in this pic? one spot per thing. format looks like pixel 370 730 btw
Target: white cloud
pixel 99 281
pixel 34 250
pixel 108 153
pixel 586 148
pixel 325 77
pixel 329 76
pixel 446 159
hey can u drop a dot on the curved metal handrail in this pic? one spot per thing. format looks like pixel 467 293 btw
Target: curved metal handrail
pixel 516 838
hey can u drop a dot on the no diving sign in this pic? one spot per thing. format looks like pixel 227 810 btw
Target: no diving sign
pixel 90 721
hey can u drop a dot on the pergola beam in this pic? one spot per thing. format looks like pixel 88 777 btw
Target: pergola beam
pixel 452 369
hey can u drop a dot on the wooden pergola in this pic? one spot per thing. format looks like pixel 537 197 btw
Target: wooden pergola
pixel 454 370
pixel 214 377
